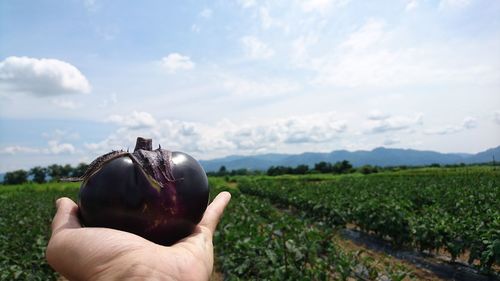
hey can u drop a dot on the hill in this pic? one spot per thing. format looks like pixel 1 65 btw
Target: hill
pixel 379 156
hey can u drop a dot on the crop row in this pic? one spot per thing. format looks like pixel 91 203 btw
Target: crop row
pixel 457 212
pixel 256 241
pixel 26 212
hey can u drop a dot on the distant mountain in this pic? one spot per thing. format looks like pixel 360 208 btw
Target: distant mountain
pixel 379 156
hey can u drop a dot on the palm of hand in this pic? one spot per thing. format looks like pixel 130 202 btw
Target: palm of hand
pixel 107 254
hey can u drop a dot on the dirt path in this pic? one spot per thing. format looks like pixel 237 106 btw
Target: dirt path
pixel 423 264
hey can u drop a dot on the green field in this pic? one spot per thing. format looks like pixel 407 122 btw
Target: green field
pixel 286 227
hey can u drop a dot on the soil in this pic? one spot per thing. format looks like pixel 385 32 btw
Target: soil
pixel 426 267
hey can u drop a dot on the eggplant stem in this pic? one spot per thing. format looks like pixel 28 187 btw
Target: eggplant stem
pixel 145 144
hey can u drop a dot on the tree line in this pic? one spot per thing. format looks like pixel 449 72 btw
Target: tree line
pixel 40 174
pixel 340 167
pixel 55 172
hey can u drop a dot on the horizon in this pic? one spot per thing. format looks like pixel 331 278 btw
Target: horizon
pixel 246 77
pixel 290 154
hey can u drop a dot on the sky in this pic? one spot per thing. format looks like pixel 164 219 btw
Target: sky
pixel 80 78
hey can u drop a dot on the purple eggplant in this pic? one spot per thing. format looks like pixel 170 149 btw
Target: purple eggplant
pixel 157 194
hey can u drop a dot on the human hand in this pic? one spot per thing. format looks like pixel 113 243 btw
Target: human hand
pixel 94 253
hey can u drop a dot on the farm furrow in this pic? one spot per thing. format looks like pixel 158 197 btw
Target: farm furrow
pixel 257 241
pixel 423 212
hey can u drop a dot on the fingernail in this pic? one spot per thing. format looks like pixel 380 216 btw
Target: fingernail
pixel 58 201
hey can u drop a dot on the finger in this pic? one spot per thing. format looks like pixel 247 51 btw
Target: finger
pixel 66 215
pixel 214 210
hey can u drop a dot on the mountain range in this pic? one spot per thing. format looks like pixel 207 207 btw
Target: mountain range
pixel 379 156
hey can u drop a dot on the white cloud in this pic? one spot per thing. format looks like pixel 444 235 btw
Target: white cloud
pixel 170 134
pixel 136 120
pixel 453 4
pixel 321 5
pixel 382 123
pixel 247 3
pixel 16 149
pixel 297 130
pixel 496 117
pixel 366 36
pixel 206 13
pixel 41 77
pixel 261 88
pixel 195 28
pixel 175 61
pixel 255 48
pixel 109 101
pixel 267 21
pixel 391 141
pixel 227 137
pixel 467 124
pixel 300 50
pixel 377 115
pixel 315 128
pixel 107 33
pixel 91 5
pixel 66 104
pixel 53 147
pixel 411 5
pixel 60 135
pixel 372 57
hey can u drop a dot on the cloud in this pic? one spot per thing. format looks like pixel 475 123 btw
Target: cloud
pixel 315 128
pixel 267 21
pixel 256 49
pixel 300 54
pixel 321 5
pixel 366 36
pixel 54 147
pixel 247 3
pixel 111 100
pixel 136 120
pixel 60 135
pixel 391 141
pixel 411 5
pixel 65 104
pixel 377 115
pixel 171 134
pixel 467 124
pixel 59 148
pixel 41 77
pixel 175 61
pixel 195 28
pixel 206 13
pixel 299 130
pixel 454 4
pixel 228 137
pixel 91 5
pixel 496 117
pixel 381 123
pixel 372 56
pixel 257 88
pixel 17 149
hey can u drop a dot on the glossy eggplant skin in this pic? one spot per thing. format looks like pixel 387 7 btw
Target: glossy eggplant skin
pixel 121 195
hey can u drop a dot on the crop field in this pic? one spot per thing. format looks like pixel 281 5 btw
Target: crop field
pixel 288 227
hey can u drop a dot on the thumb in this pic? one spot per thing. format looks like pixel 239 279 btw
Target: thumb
pixel 66 215
pixel 214 210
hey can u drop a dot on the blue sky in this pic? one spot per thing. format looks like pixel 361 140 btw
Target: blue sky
pixel 79 78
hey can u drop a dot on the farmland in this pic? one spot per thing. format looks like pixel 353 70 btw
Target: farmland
pixel 287 227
